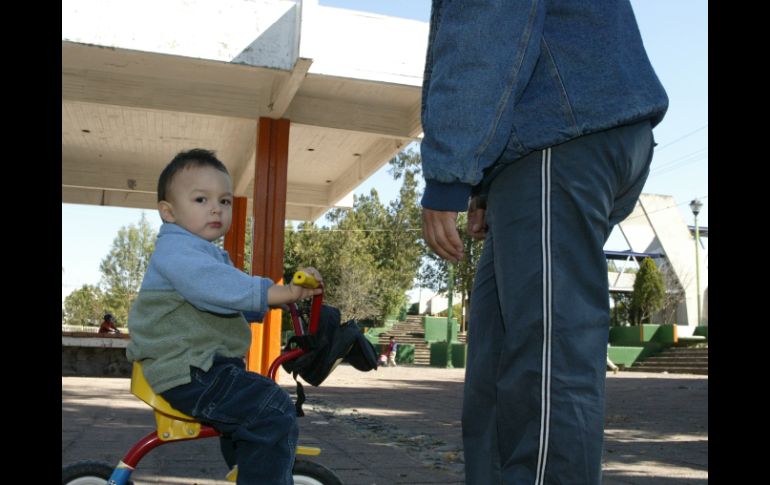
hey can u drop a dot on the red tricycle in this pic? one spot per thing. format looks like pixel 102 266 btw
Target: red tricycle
pixel 173 426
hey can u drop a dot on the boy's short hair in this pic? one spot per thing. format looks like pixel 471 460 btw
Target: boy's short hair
pixel 197 157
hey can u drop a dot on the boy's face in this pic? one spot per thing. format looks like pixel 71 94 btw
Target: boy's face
pixel 200 199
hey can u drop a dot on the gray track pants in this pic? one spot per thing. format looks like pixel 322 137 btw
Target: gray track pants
pixel 533 409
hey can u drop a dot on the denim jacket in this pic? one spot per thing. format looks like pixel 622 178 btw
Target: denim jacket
pixel 504 78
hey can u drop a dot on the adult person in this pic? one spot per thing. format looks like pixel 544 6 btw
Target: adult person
pixel 540 112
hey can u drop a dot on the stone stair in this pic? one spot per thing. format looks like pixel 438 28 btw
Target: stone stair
pixel 409 332
pixel 676 360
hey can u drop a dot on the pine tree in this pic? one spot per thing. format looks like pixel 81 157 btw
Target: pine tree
pixel 649 292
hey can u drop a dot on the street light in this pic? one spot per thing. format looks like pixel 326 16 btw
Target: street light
pixel 695 207
pixel 450 291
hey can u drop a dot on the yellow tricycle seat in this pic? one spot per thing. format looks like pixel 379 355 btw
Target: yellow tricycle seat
pixel 171 424
pixel 175 425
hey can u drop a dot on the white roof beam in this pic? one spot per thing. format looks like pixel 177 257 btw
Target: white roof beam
pixel 350 116
pixel 285 92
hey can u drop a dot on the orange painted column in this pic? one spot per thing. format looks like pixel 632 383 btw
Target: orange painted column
pixel 235 239
pixel 269 204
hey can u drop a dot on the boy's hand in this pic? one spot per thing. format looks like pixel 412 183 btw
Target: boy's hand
pixel 300 293
pixel 310 275
pixel 278 295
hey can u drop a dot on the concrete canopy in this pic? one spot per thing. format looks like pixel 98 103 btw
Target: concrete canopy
pixel 128 106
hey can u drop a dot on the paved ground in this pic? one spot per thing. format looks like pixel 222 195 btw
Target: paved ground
pixel 401 426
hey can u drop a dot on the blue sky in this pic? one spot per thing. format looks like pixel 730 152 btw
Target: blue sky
pixel 675 34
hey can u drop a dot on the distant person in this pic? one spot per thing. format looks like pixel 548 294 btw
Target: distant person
pixel 392 349
pixel 108 324
pixel 188 327
pixel 537 119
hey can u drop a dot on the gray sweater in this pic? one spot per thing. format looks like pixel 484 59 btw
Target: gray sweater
pixel 189 308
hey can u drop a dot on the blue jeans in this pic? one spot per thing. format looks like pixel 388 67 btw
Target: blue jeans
pixel 256 417
pixel 533 409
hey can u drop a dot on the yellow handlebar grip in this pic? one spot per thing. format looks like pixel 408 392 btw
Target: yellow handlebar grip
pixel 305 280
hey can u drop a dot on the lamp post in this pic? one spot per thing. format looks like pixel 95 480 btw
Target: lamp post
pixel 450 290
pixel 695 207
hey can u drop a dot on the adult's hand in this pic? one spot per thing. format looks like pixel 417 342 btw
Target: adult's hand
pixel 439 229
pixel 477 224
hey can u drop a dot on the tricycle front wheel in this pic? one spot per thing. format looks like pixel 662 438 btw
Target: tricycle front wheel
pixel 311 473
pixel 87 473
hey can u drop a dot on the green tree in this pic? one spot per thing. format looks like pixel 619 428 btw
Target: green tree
pixel 324 249
pixel 392 234
pixel 649 292
pixel 356 280
pixel 369 255
pixel 619 314
pixel 403 247
pixel 124 267
pixel 84 306
pixel 675 293
pixel 345 255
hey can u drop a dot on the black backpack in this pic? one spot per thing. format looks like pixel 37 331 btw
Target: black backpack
pixel 331 344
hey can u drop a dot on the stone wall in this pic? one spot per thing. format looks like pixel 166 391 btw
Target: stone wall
pixel 94 356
